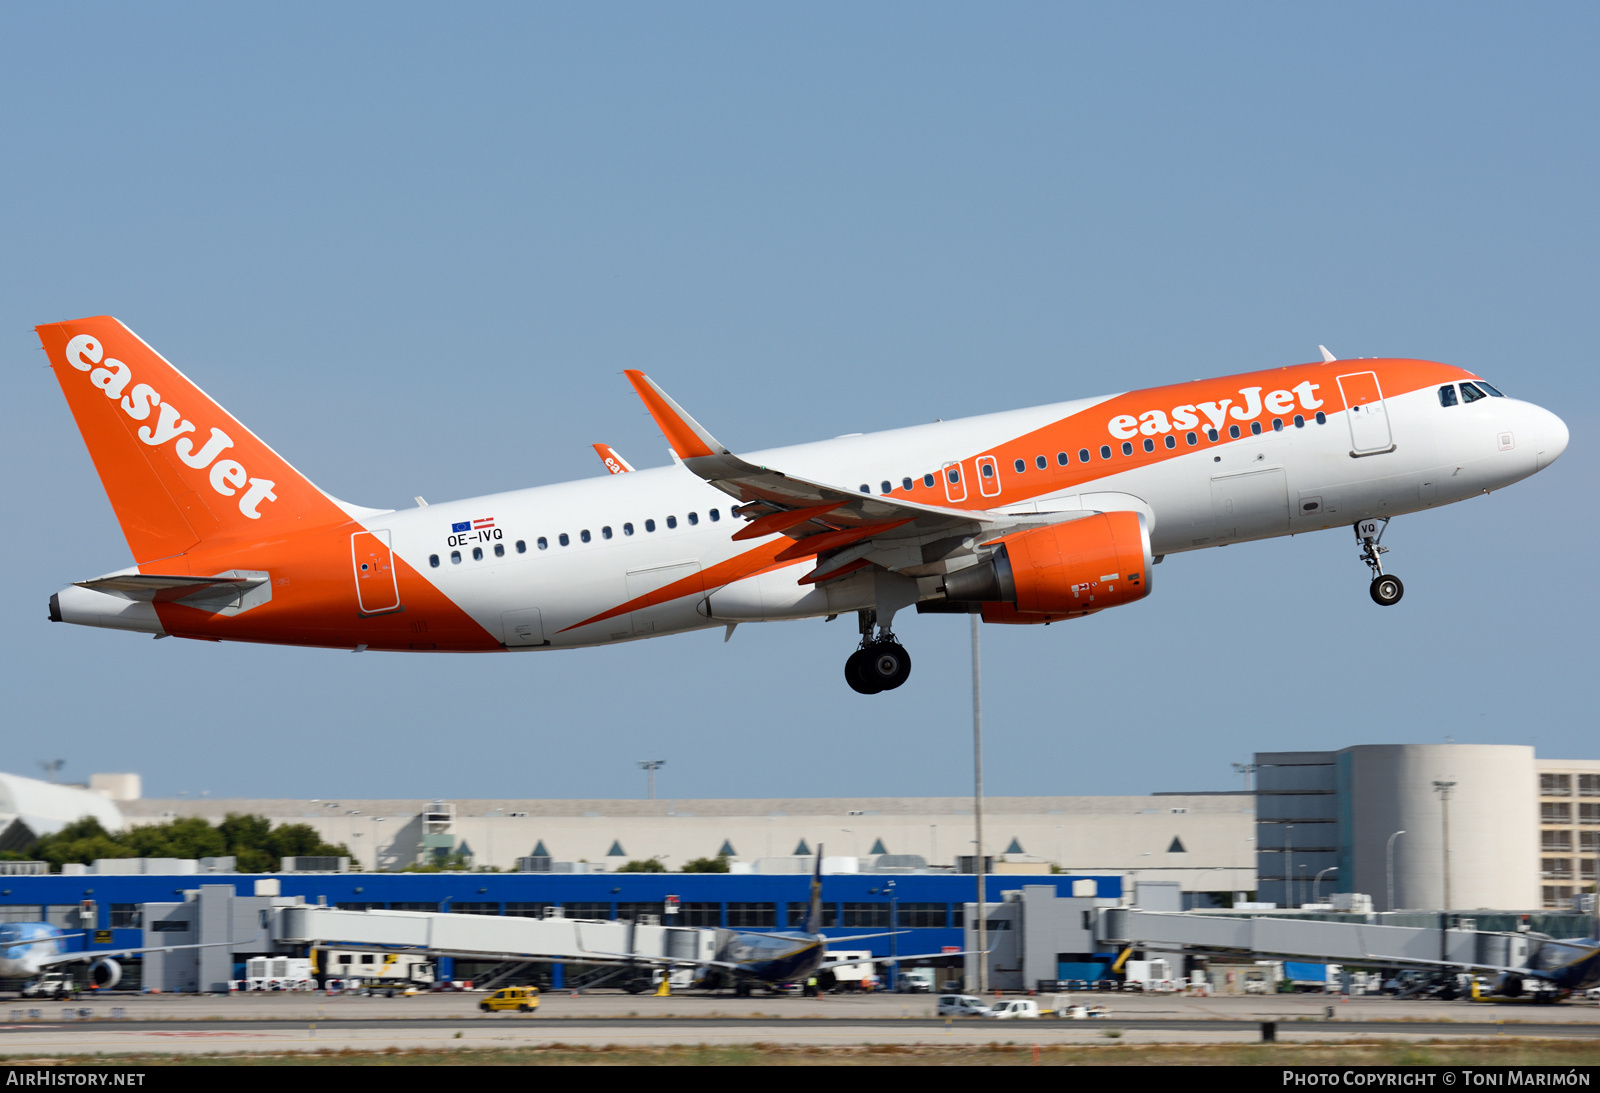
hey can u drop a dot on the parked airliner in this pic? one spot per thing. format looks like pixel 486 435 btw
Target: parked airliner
pixel 1026 516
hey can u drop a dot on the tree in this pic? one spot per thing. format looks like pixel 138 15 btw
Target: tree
pixel 648 865
pixel 251 840
pixel 718 864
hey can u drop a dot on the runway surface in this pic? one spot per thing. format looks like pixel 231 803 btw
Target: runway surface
pixel 256 1023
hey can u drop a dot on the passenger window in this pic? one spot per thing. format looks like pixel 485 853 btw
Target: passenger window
pixel 544 544
pixel 955 475
pixel 715 515
pixel 694 518
pixel 584 535
pixel 433 560
pixel 627 529
pixel 927 480
pixel 988 470
pixel 865 488
pixel 499 550
pixel 1083 455
pixel 886 487
pixel 1447 395
pixel 1105 451
pixel 1299 421
pixel 455 557
pixel 1277 424
pixel 1149 444
pixel 1020 466
pixel 1127 447
pixel 1062 459
pixel 1322 418
pixel 1471 393
pixel 1190 439
pixel 1233 431
pixel 1172 441
pixel 1041 462
pixel 649 525
pixel 1492 390
pixel 563 540
pixel 522 546
pixel 672 521
pixel 477 554
pixel 1255 428
pixel 1211 435
pixel 906 484
pixel 605 532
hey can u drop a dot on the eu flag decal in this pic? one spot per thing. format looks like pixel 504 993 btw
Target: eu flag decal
pixel 465 525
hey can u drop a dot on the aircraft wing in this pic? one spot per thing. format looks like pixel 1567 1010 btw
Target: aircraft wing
pixel 826 964
pixel 853 529
pixel 96 954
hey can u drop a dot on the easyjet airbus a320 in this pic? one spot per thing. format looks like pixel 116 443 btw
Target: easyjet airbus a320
pixel 1029 516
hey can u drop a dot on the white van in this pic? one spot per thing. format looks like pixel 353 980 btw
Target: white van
pixel 961 1005
pixel 1015 1008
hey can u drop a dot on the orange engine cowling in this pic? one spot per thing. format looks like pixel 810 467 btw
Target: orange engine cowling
pixel 1061 571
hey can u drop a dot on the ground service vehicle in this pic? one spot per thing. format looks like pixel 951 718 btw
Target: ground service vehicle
pixel 1024 517
pixel 961 1005
pixel 520 999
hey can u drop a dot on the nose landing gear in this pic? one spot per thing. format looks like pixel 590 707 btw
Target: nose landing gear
pixel 881 663
pixel 1385 589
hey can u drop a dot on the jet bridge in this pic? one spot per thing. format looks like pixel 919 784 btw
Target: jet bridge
pixel 1328 942
pixel 491 937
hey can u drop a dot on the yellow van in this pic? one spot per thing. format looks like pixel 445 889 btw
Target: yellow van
pixel 521 999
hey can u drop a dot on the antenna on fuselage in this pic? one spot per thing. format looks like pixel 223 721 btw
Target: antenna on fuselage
pixel 1327 358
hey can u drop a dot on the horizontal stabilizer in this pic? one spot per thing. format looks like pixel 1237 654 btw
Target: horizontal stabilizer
pixel 162 588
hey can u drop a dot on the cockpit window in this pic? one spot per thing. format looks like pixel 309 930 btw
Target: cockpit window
pixel 1493 391
pixel 1447 395
pixel 1471 392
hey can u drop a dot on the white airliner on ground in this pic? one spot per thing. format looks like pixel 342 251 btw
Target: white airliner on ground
pixel 1028 516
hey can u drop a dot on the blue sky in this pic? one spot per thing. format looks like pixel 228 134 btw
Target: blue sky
pixel 413 247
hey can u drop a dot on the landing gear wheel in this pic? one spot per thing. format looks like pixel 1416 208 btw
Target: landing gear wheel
pixel 888 664
pixel 1386 590
pixel 855 674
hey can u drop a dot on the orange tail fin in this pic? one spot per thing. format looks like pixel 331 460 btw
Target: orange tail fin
pixel 177 467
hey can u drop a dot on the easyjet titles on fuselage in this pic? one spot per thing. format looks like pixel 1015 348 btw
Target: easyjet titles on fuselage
pixel 1187 416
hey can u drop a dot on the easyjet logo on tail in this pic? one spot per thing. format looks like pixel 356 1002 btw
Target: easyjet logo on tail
pixel 139 400
pixel 1187 416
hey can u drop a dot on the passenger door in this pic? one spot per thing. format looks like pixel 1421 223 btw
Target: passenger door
pixel 1369 421
pixel 377 590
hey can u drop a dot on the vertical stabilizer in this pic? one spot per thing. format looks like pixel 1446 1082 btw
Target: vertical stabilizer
pixel 178 468
pixel 814 915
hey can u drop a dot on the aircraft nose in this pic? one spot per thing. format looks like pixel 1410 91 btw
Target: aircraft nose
pixel 1552 437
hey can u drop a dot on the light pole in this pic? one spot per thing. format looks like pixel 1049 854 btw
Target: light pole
pixel 894 937
pixel 977 808
pixel 1388 854
pixel 651 765
pixel 1325 872
pixel 1245 769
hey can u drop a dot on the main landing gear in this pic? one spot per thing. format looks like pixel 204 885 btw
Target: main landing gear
pixel 881 663
pixel 1386 589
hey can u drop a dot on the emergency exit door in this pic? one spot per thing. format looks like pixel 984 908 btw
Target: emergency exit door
pixel 377 590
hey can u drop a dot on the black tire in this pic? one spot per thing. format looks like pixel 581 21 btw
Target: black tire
pixel 524 1008
pixel 1386 590
pixel 484 1006
pixel 856 674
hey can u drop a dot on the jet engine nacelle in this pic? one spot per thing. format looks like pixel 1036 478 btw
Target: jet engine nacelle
pixel 105 973
pixel 1061 571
